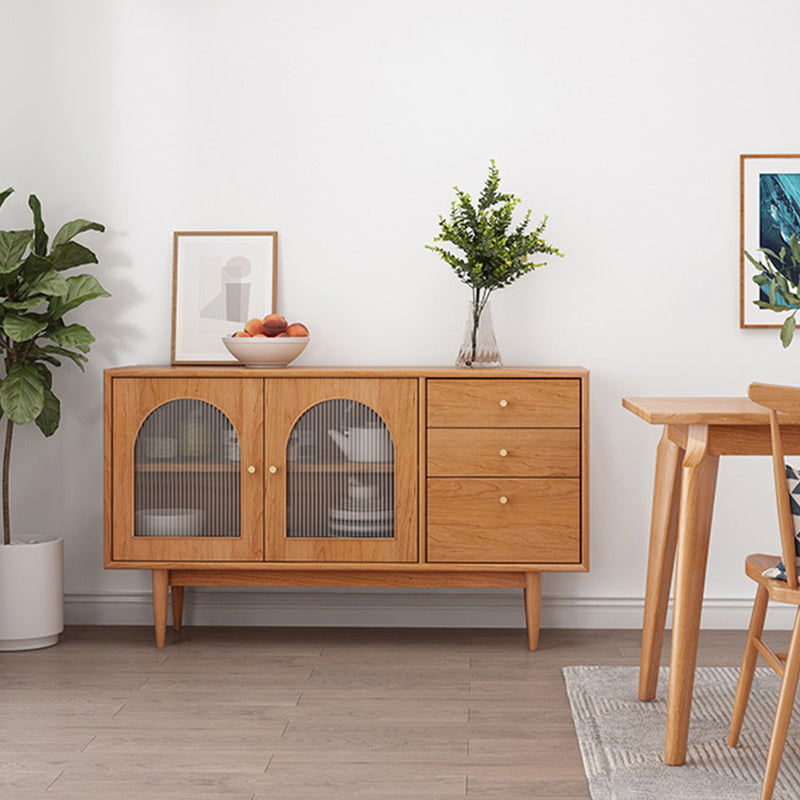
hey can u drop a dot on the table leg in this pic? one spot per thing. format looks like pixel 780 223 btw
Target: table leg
pixel 697 505
pixel 660 560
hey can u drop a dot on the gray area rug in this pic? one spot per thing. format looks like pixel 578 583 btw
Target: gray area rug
pixel 622 738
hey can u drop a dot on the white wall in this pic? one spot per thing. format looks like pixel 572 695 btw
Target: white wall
pixel 344 126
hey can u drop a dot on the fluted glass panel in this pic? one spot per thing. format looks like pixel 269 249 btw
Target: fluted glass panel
pixel 187 473
pixel 340 474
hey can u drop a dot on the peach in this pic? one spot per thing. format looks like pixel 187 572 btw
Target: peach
pixel 297 329
pixel 273 324
pixel 241 334
pixel 253 326
pixel 283 335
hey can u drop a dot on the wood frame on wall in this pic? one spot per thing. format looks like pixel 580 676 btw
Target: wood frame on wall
pixel 751 166
pixel 205 334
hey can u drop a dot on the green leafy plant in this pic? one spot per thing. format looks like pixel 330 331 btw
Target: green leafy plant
pixel 780 274
pixel 35 295
pixel 493 252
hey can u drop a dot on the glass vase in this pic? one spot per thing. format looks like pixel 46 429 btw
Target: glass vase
pixel 479 348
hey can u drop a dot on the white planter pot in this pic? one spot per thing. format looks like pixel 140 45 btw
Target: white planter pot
pixel 31 593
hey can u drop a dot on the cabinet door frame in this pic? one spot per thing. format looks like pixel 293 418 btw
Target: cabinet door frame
pixel 395 400
pixel 133 400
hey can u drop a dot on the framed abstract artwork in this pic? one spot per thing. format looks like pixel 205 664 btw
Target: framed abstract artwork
pixel 769 215
pixel 219 281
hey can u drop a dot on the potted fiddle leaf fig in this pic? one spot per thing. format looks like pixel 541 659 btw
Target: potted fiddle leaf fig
pixel 37 293
pixel 490 253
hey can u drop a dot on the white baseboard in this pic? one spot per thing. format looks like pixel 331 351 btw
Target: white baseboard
pixel 407 608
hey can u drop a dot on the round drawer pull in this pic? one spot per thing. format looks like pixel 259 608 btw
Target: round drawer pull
pixel 503 452
pixel 273 469
pixel 251 469
pixel 503 500
pixel 503 403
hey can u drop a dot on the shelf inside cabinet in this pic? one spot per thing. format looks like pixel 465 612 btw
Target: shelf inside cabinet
pixel 350 466
pixel 186 466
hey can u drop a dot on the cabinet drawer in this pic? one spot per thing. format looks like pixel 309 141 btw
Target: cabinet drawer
pixel 504 403
pixel 520 452
pixel 539 522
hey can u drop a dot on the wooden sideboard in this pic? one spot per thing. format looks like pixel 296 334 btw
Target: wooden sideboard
pixel 447 477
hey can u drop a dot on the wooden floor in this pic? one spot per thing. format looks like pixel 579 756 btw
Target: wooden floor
pixel 251 714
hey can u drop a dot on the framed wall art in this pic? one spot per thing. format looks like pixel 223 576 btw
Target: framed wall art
pixel 769 215
pixel 220 280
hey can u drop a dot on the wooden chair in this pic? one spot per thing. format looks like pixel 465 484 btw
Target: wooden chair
pixel 783 399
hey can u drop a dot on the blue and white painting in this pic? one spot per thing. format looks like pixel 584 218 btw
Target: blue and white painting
pixel 779 218
pixel 779 203
pixel 770 214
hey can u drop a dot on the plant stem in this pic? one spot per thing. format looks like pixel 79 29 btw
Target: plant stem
pixel 478 304
pixel 6 464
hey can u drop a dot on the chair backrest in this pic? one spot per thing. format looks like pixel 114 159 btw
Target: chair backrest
pixel 780 400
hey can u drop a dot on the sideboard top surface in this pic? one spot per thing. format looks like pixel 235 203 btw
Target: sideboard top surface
pixel 237 371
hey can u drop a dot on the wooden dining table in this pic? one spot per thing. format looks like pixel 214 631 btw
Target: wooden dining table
pixel 696 432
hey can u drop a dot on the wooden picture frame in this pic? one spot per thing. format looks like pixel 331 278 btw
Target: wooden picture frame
pixel 220 279
pixel 769 207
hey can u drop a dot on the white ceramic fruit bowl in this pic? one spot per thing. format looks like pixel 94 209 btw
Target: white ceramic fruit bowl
pixel 258 352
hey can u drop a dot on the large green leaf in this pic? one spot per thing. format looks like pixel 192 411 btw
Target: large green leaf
pixel 4 195
pixel 21 329
pixel 72 254
pixel 27 304
pixel 13 245
pixel 71 229
pixel 80 289
pixel 22 393
pixel 73 336
pixel 45 352
pixel 51 283
pixel 50 416
pixel 39 235
pixel 47 376
pixel 40 355
pixel 35 265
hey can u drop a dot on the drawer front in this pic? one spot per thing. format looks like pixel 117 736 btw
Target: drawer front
pixel 512 452
pixel 504 520
pixel 504 403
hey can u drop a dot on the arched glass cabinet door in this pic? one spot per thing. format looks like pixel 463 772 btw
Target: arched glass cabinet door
pixel 341 482
pixel 186 473
pixel 193 453
pixel 340 474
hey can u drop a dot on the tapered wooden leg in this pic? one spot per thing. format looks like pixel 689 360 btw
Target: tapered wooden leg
pixel 783 713
pixel 699 481
pixel 533 607
pixel 660 561
pixel 748 667
pixel 177 607
pixel 160 600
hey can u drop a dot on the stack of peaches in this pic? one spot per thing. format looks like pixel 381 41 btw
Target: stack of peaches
pixel 273 326
pixel 268 342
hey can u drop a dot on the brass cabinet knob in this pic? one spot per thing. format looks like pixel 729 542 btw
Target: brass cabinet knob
pixel 273 469
pixel 503 500
pixel 251 469
pixel 503 452
pixel 503 403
